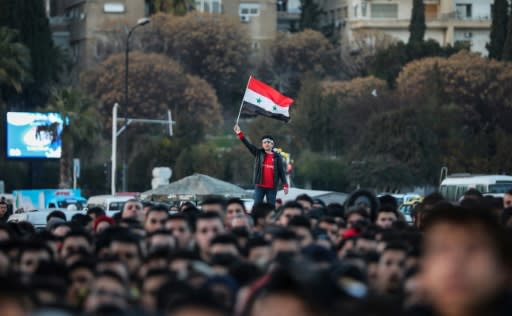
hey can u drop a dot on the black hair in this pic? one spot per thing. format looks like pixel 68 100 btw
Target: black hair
pixel 267 136
pixel 89 264
pixel 396 246
pixel 509 192
pixel 299 221
pixel 473 193
pixel 335 210
pixel 34 245
pixel 56 213
pixel 506 215
pixel 127 237
pixel 305 197
pixel 236 201
pixel 207 216
pixel 79 233
pixel 261 210
pixel 160 208
pixel 245 273
pixel 257 242
pixel 81 219
pixel 112 275
pixel 432 199
pixel 225 239
pixel 467 217
pixel 387 208
pixel 98 211
pixel 389 200
pixel 285 234
pixel 214 199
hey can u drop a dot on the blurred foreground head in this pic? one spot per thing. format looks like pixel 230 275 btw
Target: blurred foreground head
pixel 466 261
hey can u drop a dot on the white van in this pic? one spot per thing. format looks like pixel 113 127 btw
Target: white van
pixel 454 186
pixel 110 203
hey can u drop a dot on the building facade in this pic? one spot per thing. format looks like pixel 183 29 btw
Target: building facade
pixel 448 21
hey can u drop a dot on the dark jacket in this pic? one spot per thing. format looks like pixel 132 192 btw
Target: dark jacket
pixel 259 154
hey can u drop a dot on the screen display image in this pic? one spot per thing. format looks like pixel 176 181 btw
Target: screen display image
pixel 34 135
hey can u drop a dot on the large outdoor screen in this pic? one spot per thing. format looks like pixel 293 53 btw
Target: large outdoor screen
pixel 34 135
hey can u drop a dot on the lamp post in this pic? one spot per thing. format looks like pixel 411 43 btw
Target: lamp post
pixel 140 22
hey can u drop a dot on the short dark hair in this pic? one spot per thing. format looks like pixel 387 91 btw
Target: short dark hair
pixel 160 208
pixel 214 199
pixel 285 234
pixel 292 204
pixel 98 211
pixel 304 197
pixel 473 193
pixel 257 242
pixel 261 210
pixel 79 233
pixel 478 216
pixel 225 239
pixel 389 200
pixel 267 136
pixel 386 208
pixel 299 221
pixel 56 213
pixel 236 201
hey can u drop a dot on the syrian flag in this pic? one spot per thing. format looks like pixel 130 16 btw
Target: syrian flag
pixel 262 99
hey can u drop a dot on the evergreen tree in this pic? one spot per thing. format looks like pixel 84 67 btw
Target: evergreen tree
pixel 417 26
pixel 310 14
pixel 507 49
pixel 498 29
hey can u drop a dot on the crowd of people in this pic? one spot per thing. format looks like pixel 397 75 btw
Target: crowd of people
pixel 300 258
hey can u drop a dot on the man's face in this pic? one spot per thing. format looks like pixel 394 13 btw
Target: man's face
pixel 180 230
pixel 390 271
pixel 233 210
pixel 73 245
pixel 161 241
pixel 461 269
pixel 332 231
pixel 288 246
pixel 81 280
pixel 288 213
pixel 3 209
pixel 150 287
pixel 267 145
pixel 304 236
pixel 155 221
pixel 507 200
pixel 128 253
pixel 207 229
pixel 385 219
pixel 133 210
pixel 305 204
pixel 354 218
pixel 280 304
pixel 30 260
pixel 106 290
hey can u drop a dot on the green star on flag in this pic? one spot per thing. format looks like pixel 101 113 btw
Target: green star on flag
pixel 274 108
pixel 258 100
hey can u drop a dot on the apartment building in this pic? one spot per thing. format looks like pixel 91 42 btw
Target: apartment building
pixel 448 21
pixel 77 24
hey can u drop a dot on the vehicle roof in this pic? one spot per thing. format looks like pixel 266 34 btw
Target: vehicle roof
pixel 475 179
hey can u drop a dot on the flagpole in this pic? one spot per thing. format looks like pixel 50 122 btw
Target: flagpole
pixel 242 104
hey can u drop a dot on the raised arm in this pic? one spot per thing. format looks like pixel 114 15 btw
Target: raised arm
pixel 253 149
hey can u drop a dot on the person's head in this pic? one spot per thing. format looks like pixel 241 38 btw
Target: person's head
pixel 31 255
pixel 389 200
pixel 215 204
pixel 208 225
pixel 356 215
pixel 224 244
pixel 156 218
pixel 101 223
pixel 234 207
pixel 3 208
pixel 95 212
pixel 267 143
pixel 75 242
pixel 306 201
pixel 160 239
pixel 126 246
pixel 179 226
pixel 302 228
pixel 262 214
pixel 81 275
pixel 473 194
pixel 426 206
pixel 108 288
pixel 242 221
pixel 506 217
pixel 390 269
pixel 507 199
pixel 466 258
pixel 133 209
pixel 285 241
pixel 288 211
pixel 386 216
pixel 258 251
pixel 153 281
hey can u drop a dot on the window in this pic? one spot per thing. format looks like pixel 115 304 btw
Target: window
pixel 216 7
pixel 344 12
pixel 384 11
pixel 356 9
pixel 249 9
pixel 363 9
pixel 113 8
pixel 464 11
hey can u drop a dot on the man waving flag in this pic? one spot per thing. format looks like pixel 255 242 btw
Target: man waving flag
pixel 262 99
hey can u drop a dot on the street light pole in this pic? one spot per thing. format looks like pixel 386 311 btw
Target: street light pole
pixel 140 22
